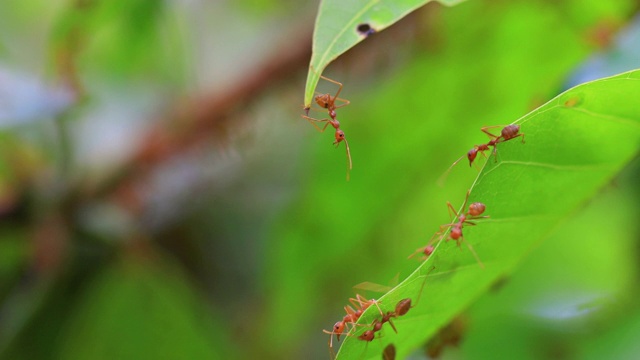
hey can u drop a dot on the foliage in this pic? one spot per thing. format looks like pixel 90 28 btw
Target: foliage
pixel 527 192
pixel 342 24
pixel 177 205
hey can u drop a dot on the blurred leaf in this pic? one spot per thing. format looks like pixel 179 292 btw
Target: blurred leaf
pixel 620 343
pixel 553 301
pixel 122 38
pixel 528 192
pixel 140 309
pixel 405 128
pixel 342 24
pixel 13 256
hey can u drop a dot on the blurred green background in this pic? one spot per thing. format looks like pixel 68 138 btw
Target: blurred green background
pixel 161 198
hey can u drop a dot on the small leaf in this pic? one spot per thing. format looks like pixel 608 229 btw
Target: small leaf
pixel 575 144
pixel 342 24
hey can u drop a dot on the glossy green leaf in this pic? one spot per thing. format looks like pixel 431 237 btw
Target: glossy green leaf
pixel 337 29
pixel 575 144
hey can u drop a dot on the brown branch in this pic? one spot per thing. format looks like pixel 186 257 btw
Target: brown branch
pixel 203 119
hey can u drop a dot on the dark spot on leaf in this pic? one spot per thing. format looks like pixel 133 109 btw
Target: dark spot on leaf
pixel 389 352
pixel 365 29
pixel 448 336
pixel 572 102
pixel 499 283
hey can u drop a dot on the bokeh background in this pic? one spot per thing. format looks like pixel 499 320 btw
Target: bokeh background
pixel 161 198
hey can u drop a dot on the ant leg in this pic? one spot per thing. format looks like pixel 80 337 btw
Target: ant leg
pixel 444 176
pixel 375 302
pixel 392 325
pixel 495 153
pixel 331 333
pixel 475 218
pixel 335 82
pixel 332 354
pixel 312 121
pixel 424 282
pixel 418 251
pixel 474 253
pixel 452 211
pixel 440 232
pixel 485 128
pixel 315 108
pixel 357 302
pixel 364 300
pixel 466 199
pixel 464 204
pixel 345 102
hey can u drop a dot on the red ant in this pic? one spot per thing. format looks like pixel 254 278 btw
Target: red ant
pixel 370 334
pixel 327 102
pixel 475 210
pixel 507 133
pixel 402 308
pixel 361 304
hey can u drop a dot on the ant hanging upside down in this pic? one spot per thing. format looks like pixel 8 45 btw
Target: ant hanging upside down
pixel 328 103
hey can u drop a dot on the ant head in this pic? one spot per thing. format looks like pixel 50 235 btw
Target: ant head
pixel 368 335
pixel 471 155
pixel 339 136
pixel 456 233
pixel 323 100
pixel 338 328
pixel 428 250
pixel 476 208
pixel 403 306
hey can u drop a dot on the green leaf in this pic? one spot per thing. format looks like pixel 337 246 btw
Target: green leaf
pixel 142 309
pixel 336 29
pixel 575 144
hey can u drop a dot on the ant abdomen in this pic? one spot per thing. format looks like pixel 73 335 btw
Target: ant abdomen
pixel 477 208
pixel 403 307
pixel 510 131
